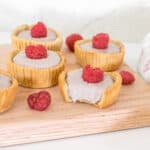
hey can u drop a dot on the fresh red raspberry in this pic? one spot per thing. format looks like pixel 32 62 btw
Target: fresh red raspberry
pixel 39 30
pixel 39 101
pixel 92 75
pixel 71 39
pixel 36 52
pixel 127 77
pixel 100 41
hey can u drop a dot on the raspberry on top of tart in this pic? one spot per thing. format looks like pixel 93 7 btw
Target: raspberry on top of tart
pixel 39 30
pixel 100 41
pixel 92 75
pixel 36 52
pixel 90 85
pixel 37 56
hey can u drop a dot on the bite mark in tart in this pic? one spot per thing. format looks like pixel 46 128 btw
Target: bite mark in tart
pixel 8 89
pixel 25 35
pixel 108 56
pixel 33 70
pixel 101 94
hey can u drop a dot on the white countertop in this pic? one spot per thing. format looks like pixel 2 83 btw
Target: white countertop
pixel 133 139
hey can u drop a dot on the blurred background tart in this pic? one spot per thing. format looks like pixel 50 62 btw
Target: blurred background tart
pixel 101 52
pixel 38 33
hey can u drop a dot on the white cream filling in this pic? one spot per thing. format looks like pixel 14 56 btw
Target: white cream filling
pixel 51 36
pixel 78 89
pixel 5 81
pixel 51 60
pixel 112 48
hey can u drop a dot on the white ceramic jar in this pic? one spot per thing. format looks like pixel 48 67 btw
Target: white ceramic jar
pixel 144 60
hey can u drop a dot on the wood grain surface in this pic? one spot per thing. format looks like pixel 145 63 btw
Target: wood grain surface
pixel 61 120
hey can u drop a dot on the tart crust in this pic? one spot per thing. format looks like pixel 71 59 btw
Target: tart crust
pixel 106 61
pixel 109 96
pixel 35 78
pixel 7 95
pixel 21 43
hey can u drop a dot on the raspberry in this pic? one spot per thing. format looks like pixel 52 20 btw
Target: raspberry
pixel 100 41
pixel 127 77
pixel 92 75
pixel 39 101
pixel 36 52
pixel 71 39
pixel 39 30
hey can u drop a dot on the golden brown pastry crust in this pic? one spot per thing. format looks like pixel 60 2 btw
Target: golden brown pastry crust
pixel 7 95
pixel 106 61
pixel 109 96
pixel 35 78
pixel 20 43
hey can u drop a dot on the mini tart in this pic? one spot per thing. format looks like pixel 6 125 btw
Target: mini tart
pixel 35 78
pixel 106 61
pixel 109 96
pixel 7 95
pixel 21 43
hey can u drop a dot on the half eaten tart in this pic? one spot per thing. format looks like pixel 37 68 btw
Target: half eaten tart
pixel 108 58
pixel 8 89
pixel 102 94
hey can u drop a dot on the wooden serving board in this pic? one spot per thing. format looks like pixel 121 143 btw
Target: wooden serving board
pixel 61 120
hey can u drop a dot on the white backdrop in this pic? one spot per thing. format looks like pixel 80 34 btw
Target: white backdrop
pixel 127 20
